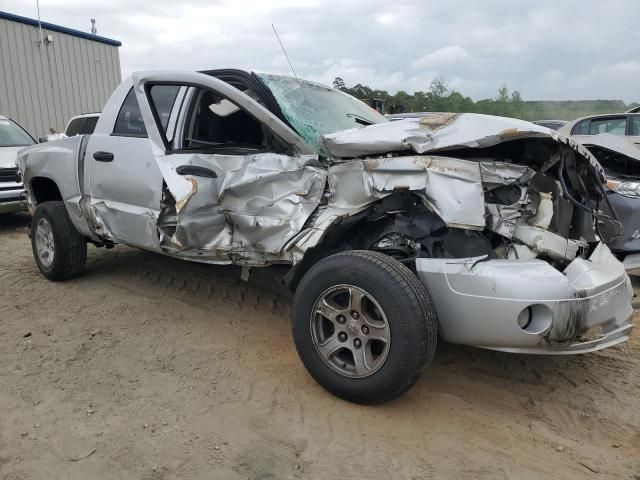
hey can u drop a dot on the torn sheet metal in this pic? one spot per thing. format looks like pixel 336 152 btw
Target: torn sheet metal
pixel 548 243
pixel 498 174
pixel 451 187
pixel 502 219
pixel 257 202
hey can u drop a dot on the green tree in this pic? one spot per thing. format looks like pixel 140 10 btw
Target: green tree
pixel 503 94
pixel 439 98
pixel 438 87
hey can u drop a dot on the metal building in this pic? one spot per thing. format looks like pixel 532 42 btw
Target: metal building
pixel 48 73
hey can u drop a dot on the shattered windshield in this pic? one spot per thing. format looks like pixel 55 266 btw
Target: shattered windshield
pixel 315 110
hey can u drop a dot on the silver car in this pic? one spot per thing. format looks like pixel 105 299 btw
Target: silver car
pixel 12 138
pixel 482 230
pixel 624 125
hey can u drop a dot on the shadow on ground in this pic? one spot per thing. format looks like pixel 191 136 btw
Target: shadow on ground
pixel 13 222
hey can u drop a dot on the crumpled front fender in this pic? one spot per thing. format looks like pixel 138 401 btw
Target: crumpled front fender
pixel 450 187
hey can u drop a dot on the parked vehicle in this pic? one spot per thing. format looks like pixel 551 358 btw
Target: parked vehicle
pixel 479 228
pixel 552 124
pixel 83 124
pixel 621 162
pixel 625 125
pixel 614 140
pixel 12 138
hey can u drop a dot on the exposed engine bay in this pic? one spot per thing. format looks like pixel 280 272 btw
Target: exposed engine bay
pixel 517 200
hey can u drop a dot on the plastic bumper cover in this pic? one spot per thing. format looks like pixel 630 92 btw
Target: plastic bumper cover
pixel 529 306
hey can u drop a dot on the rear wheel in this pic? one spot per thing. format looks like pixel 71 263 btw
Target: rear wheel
pixel 364 326
pixel 59 250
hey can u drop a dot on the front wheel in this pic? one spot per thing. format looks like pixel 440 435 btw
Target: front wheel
pixel 364 326
pixel 59 250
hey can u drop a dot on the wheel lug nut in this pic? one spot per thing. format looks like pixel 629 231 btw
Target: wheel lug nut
pixel 365 329
pixel 357 343
pixel 354 314
pixel 341 319
pixel 342 337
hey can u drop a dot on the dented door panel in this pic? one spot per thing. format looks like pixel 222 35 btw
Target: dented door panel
pixel 246 207
pixel 256 203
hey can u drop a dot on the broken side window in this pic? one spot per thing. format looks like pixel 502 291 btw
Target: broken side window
pixel 200 119
pixel 209 122
pixel 216 122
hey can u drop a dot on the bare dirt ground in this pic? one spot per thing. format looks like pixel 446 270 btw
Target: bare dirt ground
pixel 150 368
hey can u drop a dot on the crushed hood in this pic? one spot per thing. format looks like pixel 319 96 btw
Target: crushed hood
pixel 437 132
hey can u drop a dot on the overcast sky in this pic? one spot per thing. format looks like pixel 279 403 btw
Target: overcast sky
pixel 547 49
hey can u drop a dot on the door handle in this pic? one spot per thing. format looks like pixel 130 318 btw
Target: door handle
pixel 196 171
pixel 103 156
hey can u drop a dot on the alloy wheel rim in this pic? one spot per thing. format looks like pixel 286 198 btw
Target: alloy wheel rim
pixel 44 243
pixel 350 331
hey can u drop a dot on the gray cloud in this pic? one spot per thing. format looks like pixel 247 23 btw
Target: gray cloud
pixel 546 49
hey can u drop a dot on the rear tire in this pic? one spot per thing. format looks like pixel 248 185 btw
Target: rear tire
pixel 364 326
pixel 59 250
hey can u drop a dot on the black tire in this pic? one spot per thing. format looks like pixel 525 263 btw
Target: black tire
pixel 69 247
pixel 409 313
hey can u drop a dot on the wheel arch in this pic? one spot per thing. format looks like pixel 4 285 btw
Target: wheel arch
pixel 44 189
pixel 335 237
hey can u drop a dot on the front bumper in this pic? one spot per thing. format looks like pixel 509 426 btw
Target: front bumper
pixel 13 197
pixel 529 306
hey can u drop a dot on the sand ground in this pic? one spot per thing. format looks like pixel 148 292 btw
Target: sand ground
pixel 153 368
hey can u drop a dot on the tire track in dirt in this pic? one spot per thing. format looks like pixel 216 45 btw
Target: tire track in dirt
pixel 125 267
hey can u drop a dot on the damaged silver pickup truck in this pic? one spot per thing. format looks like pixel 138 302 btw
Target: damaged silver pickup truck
pixel 483 230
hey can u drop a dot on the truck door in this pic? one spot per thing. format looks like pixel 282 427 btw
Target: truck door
pixel 240 183
pixel 125 183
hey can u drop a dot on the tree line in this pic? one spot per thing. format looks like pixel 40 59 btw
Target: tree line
pixel 509 103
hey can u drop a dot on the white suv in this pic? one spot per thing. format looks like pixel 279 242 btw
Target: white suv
pixel 12 138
